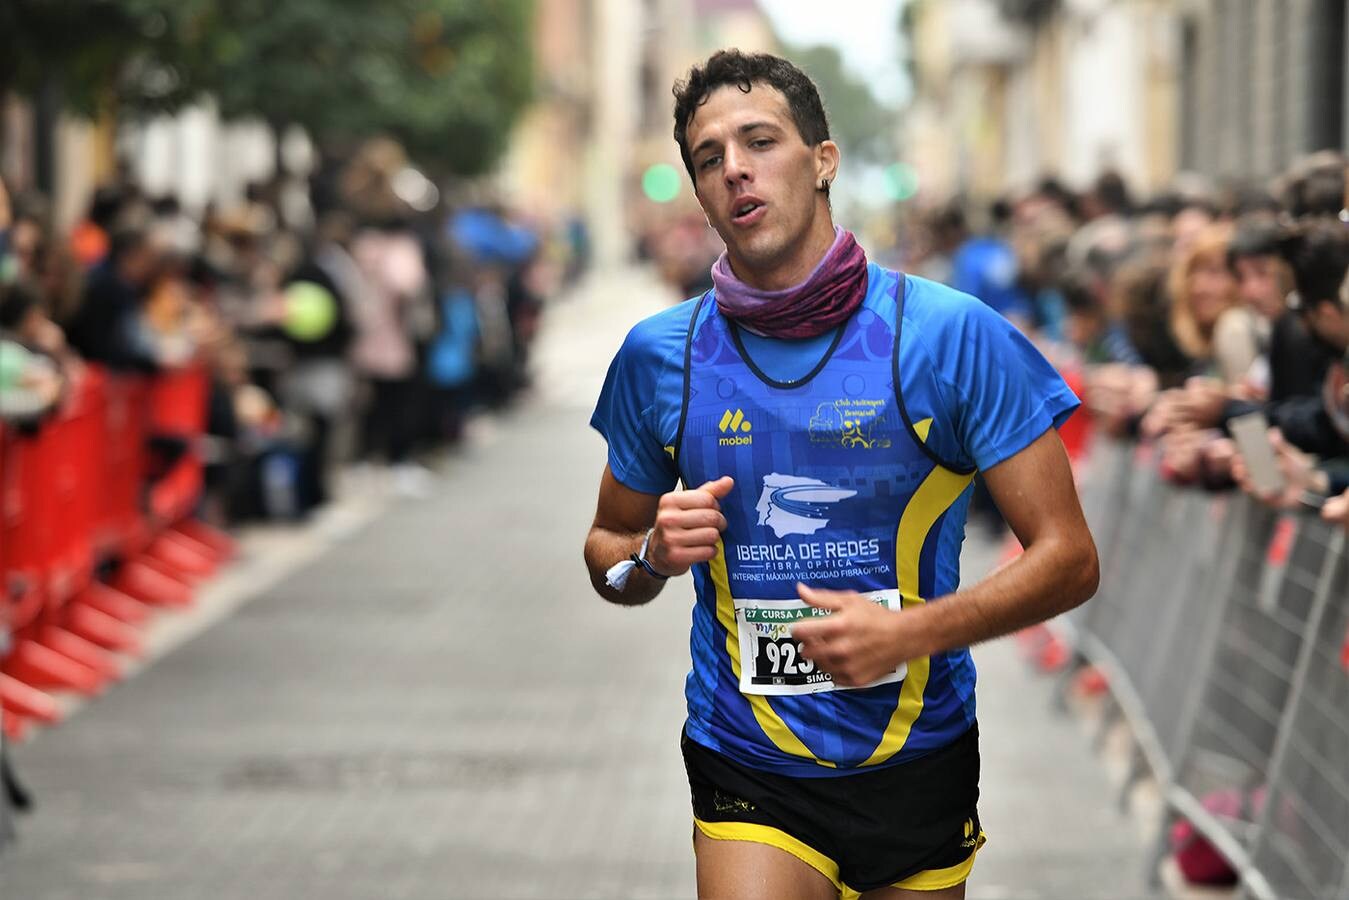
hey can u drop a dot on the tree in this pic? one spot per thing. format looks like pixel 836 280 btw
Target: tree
pixel 860 124
pixel 78 47
pixel 445 77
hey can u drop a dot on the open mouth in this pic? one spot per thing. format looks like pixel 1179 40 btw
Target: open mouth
pixel 747 211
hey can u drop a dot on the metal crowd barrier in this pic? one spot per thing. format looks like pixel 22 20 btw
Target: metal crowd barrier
pixel 1220 627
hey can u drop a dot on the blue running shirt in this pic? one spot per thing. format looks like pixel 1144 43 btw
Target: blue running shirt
pixel 843 482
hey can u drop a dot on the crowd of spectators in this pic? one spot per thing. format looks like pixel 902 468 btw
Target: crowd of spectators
pixel 1183 313
pixel 336 322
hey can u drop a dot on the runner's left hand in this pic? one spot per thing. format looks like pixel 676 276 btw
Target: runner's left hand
pixel 858 643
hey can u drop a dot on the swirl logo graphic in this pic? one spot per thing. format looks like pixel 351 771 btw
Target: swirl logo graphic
pixel 790 504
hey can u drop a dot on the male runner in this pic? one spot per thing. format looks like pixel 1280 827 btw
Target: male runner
pixel 826 417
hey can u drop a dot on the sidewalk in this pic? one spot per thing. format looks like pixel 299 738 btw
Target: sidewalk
pixel 438 706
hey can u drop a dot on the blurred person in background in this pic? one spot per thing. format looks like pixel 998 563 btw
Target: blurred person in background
pixel 1120 394
pixel 316 385
pixel 771 820
pixel 26 245
pixel 942 232
pixel 1089 327
pixel 1314 186
pixel 451 361
pixel 389 257
pixel 1040 239
pixel 90 238
pixel 1106 209
pixel 1207 321
pixel 1294 362
pixel 684 250
pixel 1318 254
pixel 985 266
pixel 1216 334
pixel 105 328
pixel 509 279
pixel 32 380
pixel 1311 435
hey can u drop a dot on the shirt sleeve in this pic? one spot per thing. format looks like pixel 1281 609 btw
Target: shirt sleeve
pixel 1005 392
pixel 627 417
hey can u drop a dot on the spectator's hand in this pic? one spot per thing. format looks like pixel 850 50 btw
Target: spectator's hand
pixel 1298 469
pixel 1336 510
pixel 49 337
pixel 1201 401
pixel 1142 387
pixel 1182 453
pixel 1164 414
pixel 1218 456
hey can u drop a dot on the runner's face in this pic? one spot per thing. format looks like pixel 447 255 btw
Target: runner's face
pixel 757 180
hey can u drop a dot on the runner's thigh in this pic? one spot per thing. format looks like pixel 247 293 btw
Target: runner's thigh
pixel 743 870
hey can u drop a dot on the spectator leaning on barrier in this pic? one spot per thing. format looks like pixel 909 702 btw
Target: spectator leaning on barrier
pixel 1318 253
pixel 31 379
pixel 105 328
pixel 1314 455
pixel 1294 361
pixel 1206 320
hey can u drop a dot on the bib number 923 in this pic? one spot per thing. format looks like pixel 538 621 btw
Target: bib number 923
pixel 779 661
pixel 771 662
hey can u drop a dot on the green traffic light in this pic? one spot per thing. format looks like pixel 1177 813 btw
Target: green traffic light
pixel 660 182
pixel 901 181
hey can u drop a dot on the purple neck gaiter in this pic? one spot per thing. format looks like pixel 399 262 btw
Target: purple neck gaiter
pixel 828 296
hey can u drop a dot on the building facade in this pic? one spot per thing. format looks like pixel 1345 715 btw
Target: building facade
pixel 1007 91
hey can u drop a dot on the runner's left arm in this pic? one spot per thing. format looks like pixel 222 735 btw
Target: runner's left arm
pixel 1058 570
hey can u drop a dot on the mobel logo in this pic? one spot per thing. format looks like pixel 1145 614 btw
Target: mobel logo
pixel 731 423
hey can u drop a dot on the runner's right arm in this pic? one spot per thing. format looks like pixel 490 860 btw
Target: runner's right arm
pixel 686 526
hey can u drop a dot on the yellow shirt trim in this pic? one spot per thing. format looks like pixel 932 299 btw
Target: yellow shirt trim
pixel 777 730
pixel 934 496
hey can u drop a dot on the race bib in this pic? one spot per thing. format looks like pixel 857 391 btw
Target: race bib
pixel 771 660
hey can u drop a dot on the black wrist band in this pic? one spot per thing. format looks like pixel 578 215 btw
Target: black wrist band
pixel 646 567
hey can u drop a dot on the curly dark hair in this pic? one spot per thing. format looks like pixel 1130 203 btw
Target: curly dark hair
pixel 744 70
pixel 1318 253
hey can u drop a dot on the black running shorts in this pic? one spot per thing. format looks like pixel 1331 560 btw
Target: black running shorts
pixel 913 825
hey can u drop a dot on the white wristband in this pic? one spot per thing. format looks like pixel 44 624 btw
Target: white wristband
pixel 618 574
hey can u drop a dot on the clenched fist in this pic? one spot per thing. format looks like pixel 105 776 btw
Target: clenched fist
pixel 688 526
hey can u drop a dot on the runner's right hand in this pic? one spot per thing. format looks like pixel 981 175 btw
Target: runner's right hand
pixel 688 526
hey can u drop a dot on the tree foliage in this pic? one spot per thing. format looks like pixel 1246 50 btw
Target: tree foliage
pixel 445 77
pixel 859 123
pixel 86 50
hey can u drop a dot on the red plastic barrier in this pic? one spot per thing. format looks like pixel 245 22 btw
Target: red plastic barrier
pixel 178 407
pixel 70 447
pixel 121 528
pixel 24 530
pixel 73 494
pixel 1076 431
